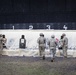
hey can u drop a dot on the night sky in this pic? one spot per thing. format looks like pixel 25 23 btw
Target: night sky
pixel 37 11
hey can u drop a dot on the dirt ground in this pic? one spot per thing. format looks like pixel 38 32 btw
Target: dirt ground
pixel 37 66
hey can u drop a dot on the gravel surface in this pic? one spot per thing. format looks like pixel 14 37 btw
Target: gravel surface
pixel 61 66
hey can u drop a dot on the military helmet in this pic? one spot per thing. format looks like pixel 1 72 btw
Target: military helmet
pixel 63 34
pixel 52 36
pixel 41 34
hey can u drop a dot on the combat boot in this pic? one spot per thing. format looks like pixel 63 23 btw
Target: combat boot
pixel 43 57
pixel 52 60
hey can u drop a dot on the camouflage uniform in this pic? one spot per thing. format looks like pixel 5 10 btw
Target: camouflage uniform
pixel 65 45
pixel 42 42
pixel 60 43
pixel 1 42
pixel 52 46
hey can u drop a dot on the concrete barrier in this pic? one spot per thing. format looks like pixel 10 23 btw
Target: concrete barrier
pixel 31 36
pixel 35 53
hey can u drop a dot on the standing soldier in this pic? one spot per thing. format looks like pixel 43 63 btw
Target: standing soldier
pixel 52 46
pixel 65 45
pixel 60 43
pixel 42 43
pixel 1 42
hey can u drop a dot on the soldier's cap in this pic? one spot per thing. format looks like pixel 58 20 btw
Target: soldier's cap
pixel 41 34
pixel 52 36
pixel 63 34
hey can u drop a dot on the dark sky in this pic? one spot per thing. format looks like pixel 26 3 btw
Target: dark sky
pixel 37 11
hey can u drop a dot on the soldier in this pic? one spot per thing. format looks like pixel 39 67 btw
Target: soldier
pixel 65 45
pixel 42 43
pixel 22 42
pixel 1 42
pixel 60 44
pixel 4 41
pixel 52 46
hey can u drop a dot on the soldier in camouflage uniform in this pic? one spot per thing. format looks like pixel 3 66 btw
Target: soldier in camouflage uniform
pixel 52 46
pixel 65 45
pixel 41 42
pixel 1 42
